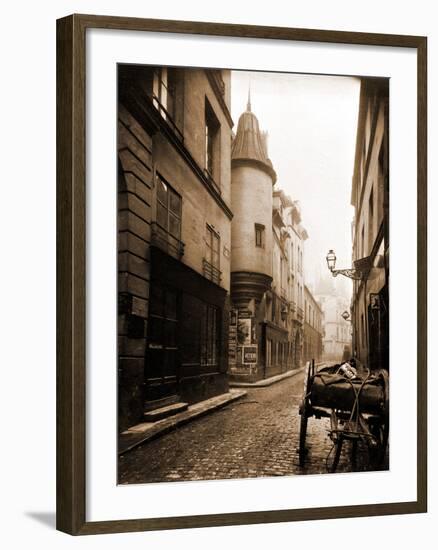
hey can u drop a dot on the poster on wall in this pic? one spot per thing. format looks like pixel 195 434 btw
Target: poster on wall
pixel 232 345
pixel 244 330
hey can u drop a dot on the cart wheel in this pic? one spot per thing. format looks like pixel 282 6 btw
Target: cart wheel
pixel 338 450
pixel 303 432
pixel 378 452
pixel 385 423
pixel 381 430
pixel 305 413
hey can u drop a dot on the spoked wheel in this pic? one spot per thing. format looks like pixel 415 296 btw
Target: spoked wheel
pixel 338 450
pixel 303 432
pixel 305 409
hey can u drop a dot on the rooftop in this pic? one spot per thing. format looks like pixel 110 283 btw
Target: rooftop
pixel 250 144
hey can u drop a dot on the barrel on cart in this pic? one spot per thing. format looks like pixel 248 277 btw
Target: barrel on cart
pixel 356 404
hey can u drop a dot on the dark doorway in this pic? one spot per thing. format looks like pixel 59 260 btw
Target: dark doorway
pixel 162 355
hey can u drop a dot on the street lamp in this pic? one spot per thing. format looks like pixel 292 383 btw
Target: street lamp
pixel 283 313
pixel 331 260
pixel 346 316
pixel 355 273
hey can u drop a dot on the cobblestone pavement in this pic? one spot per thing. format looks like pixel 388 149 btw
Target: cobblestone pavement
pixel 253 437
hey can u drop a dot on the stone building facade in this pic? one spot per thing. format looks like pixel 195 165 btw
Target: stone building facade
pixel 370 199
pixel 313 327
pixel 267 247
pixel 336 339
pixel 296 243
pixel 174 151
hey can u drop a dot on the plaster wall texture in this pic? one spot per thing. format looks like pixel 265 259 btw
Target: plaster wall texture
pixel 251 197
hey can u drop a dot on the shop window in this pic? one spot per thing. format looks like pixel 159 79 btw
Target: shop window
pixel 210 336
pixel 274 308
pixel 162 332
pixel 268 352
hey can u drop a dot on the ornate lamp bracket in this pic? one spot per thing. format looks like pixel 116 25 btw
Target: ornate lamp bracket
pixel 355 274
pixel 358 272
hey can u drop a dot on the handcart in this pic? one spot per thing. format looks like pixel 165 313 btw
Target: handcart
pixel 357 406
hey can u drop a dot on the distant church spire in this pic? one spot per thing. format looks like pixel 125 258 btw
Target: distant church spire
pixel 248 105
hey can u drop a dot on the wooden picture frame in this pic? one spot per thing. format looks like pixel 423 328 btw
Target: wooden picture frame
pixel 71 272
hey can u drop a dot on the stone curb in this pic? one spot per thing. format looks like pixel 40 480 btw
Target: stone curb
pixel 141 433
pixel 267 381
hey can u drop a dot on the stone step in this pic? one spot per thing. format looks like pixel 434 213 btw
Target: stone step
pixel 159 403
pixel 164 412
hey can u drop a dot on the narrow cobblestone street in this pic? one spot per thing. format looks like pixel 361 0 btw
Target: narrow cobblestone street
pixel 253 437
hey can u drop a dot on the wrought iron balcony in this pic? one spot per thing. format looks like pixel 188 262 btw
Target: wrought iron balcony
pixel 165 241
pixel 211 272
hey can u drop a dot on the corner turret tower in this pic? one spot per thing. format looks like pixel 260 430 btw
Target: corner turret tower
pixel 252 179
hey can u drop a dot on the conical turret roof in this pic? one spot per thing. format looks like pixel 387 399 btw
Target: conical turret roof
pixel 249 143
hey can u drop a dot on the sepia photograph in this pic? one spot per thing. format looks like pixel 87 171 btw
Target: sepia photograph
pixel 253 274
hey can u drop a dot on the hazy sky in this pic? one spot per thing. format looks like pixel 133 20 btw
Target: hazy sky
pixel 311 122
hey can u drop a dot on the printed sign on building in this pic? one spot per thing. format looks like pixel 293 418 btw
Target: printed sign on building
pixel 232 345
pixel 250 354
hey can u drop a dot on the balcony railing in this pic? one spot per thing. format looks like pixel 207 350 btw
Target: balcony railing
pixel 211 272
pixel 300 313
pixel 166 242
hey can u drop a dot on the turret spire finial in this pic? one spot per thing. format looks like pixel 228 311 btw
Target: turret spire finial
pixel 248 105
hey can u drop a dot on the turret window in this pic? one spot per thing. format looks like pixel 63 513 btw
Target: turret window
pixel 259 235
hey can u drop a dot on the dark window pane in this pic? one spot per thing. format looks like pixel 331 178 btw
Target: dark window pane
pixel 170 363
pixel 191 326
pixel 154 364
pixel 170 305
pixel 204 332
pixel 216 241
pixel 161 216
pixel 174 226
pixel 174 203
pixel 170 104
pixel 162 191
pixel 169 336
pixel 214 334
pixel 155 331
pixel 215 259
pixel 156 300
